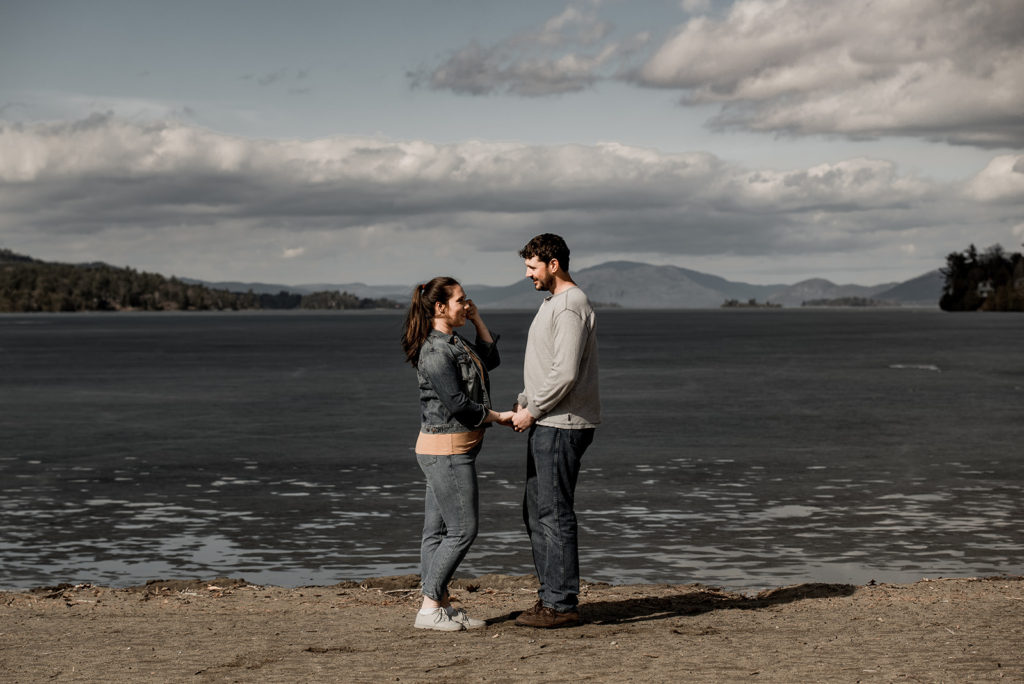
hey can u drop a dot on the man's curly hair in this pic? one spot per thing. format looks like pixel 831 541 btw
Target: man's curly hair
pixel 546 247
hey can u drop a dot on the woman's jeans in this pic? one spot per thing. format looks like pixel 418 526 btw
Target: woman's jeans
pixel 450 512
pixel 552 466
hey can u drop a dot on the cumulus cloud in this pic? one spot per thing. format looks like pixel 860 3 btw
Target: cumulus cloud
pixel 949 71
pixel 1001 181
pixel 101 175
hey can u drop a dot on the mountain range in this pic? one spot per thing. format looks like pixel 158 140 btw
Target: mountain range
pixel 635 285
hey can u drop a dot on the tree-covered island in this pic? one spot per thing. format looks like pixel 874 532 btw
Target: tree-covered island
pixel 749 304
pixel 990 281
pixel 861 302
pixel 31 285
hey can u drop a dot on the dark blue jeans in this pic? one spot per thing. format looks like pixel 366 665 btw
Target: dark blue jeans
pixel 450 511
pixel 552 467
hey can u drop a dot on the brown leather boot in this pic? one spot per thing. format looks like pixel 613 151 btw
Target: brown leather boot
pixel 548 618
pixel 534 609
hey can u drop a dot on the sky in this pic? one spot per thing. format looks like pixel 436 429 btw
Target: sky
pixel 388 141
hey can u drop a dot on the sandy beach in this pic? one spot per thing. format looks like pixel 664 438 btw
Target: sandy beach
pixel 226 630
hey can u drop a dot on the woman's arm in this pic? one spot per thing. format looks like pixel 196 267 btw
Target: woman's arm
pixel 485 346
pixel 442 372
pixel 473 314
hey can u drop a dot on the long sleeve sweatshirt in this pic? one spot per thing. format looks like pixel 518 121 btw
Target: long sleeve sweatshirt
pixel 560 369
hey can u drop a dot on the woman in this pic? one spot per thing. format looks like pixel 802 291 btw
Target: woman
pixel 455 408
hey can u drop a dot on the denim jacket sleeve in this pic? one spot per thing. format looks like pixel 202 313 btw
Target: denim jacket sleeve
pixel 487 352
pixel 441 370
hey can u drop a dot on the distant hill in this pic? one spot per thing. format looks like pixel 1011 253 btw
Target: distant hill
pixel 634 285
pixel 237 286
pixel 9 257
pixel 924 290
pixel 620 283
pixel 624 284
pixel 31 285
pixel 396 292
pixel 819 288
pixel 643 286
pixel 400 293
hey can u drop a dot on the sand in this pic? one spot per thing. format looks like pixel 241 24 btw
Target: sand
pixel 225 630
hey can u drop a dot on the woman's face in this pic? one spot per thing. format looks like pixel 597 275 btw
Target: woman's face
pixel 454 311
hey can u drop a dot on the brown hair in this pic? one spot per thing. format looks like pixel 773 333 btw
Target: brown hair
pixel 547 246
pixel 419 320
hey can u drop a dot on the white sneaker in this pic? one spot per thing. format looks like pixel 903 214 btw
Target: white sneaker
pixel 440 620
pixel 459 615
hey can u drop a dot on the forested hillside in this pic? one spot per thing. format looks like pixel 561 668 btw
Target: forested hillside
pixel 30 285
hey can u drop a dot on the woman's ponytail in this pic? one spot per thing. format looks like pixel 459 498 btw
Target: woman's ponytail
pixel 419 320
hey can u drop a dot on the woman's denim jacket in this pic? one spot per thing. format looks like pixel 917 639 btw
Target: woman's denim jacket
pixel 453 395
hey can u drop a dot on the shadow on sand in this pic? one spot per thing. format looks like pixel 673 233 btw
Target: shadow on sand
pixel 704 600
pixel 687 600
pixel 696 600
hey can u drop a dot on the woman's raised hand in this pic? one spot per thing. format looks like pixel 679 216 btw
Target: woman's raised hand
pixel 472 313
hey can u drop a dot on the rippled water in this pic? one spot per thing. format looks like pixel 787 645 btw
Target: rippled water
pixel 740 448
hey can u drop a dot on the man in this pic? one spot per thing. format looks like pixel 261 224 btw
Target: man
pixel 560 408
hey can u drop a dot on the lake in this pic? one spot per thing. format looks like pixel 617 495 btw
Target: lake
pixel 740 448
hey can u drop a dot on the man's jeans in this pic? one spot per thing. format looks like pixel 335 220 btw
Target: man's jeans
pixel 552 467
pixel 450 511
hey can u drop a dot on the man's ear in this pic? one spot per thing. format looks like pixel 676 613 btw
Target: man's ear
pixel 554 266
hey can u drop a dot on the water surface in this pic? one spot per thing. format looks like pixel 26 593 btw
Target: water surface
pixel 740 448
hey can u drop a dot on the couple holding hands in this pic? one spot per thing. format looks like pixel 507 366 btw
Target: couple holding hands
pixel 558 408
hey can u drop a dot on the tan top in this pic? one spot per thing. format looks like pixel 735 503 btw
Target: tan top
pixel 444 445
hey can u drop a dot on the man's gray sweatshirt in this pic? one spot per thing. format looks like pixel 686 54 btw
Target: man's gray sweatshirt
pixel 560 370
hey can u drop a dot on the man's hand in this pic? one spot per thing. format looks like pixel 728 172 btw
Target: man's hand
pixel 522 420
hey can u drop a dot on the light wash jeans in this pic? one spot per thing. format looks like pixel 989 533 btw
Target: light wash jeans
pixel 552 467
pixel 450 511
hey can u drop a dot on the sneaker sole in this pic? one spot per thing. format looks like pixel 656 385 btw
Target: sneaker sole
pixel 460 628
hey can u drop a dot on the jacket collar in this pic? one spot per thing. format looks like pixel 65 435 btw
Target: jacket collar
pixel 437 334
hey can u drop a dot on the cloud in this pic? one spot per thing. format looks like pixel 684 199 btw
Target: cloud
pixel 950 71
pixel 105 176
pixel 1002 181
pixel 282 76
pixel 568 53
pixel 11 108
pixel 695 6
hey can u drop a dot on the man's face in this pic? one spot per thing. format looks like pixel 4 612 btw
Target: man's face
pixel 541 273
